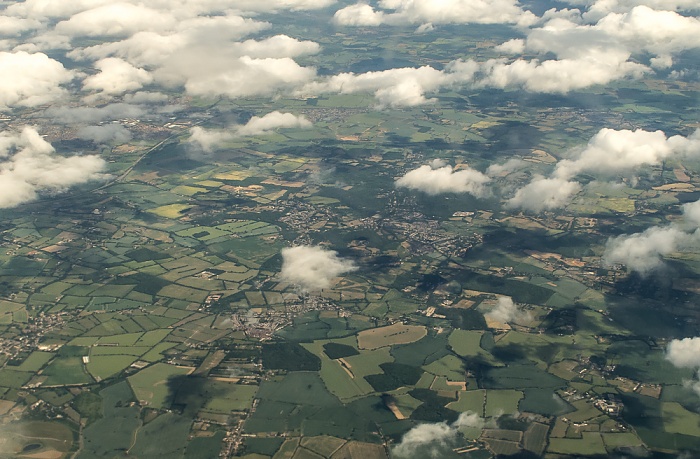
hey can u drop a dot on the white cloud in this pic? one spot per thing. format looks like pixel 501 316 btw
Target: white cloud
pixel 11 26
pixel 360 14
pixel 119 19
pixel 30 166
pixel 601 8
pixel 143 97
pixel 507 311
pixel 544 194
pixel 445 180
pixel 264 124
pixel 233 76
pixel 609 152
pixel 509 166
pixel 612 151
pixel 432 438
pixel 208 139
pixel 398 12
pixel 632 31
pixel 46 9
pixel 116 77
pixel 560 76
pixel 312 267
pixel 29 80
pixel 424 434
pixel 105 134
pixel 642 252
pixel 82 115
pixel 398 87
pixel 684 353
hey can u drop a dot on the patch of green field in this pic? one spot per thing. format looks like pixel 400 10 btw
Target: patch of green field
pixel 286 451
pixel 472 400
pixel 204 447
pixel 156 353
pixel 500 402
pixel 339 381
pixel 424 351
pixel 545 402
pixel 153 337
pixel 35 361
pixel 368 362
pixel 183 293
pixel 323 445
pixel 290 357
pixel 170 211
pixel 66 370
pixel 56 288
pixel 126 339
pixel 188 190
pixel 535 438
pixel 13 379
pixel 107 436
pixel 163 438
pixel 255 298
pixel 9 307
pixel 677 419
pixel 228 396
pixel 49 439
pixel 203 233
pixel 267 446
pixel 390 335
pixel 590 444
pixel 449 366
pixel 322 200
pixel 620 439
pixel 151 384
pixel 105 366
pixel 584 411
pixel 520 376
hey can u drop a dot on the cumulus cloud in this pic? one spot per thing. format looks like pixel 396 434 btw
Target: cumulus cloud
pixel 116 77
pixel 264 124
pixel 399 12
pixel 29 166
pixel 208 139
pixel 153 48
pixel 613 151
pixel 407 87
pixel 601 8
pixel 425 434
pixel 642 252
pixel 507 311
pixel 30 79
pixel 105 134
pixel 443 179
pixel 509 166
pixel 430 439
pixel 684 353
pixel 608 152
pixel 634 30
pixel 560 75
pixel 10 26
pixel 399 87
pixel 118 19
pixel 202 55
pixel 312 267
pixel 82 115
pixel 544 194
